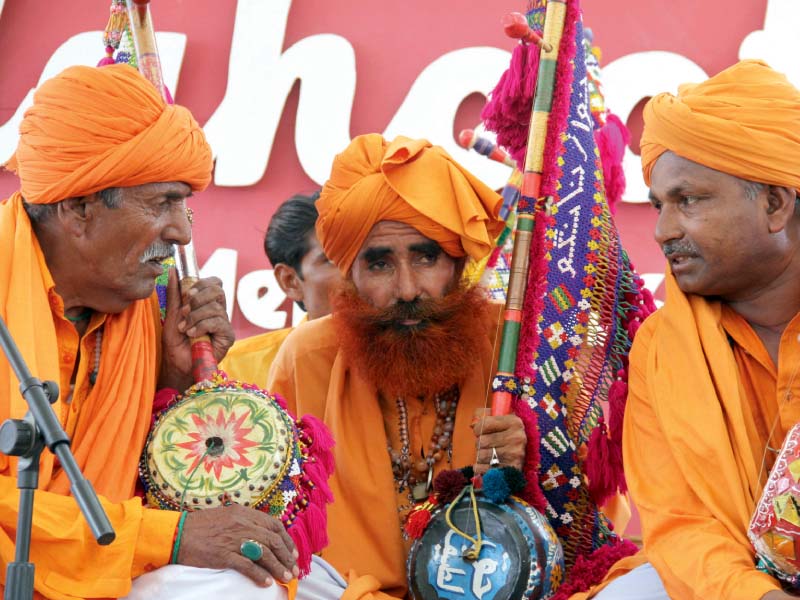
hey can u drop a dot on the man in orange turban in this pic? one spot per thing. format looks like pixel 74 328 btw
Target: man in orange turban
pixel 105 167
pixel 407 355
pixel 713 386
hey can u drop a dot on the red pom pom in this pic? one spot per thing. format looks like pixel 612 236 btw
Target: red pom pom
pixel 417 522
pixel 448 485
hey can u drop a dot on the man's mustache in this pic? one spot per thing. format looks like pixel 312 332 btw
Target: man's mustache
pixel 423 310
pixel 158 250
pixel 680 247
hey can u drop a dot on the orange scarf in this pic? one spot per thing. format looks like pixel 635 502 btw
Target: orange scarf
pixel 115 416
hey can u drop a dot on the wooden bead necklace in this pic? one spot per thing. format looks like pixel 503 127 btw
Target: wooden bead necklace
pixel 417 477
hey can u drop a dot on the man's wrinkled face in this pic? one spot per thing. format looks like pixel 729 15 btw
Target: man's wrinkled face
pixel 399 264
pixel 126 245
pixel 714 233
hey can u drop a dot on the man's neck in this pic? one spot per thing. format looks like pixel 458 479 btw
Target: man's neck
pixel 62 265
pixel 769 310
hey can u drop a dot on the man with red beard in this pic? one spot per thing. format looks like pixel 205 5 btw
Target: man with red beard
pixel 400 371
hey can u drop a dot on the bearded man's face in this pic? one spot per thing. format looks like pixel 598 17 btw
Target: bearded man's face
pixel 404 321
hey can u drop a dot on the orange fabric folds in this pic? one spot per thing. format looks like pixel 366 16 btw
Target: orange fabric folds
pixel 94 128
pixel 108 428
pixel 692 450
pixel 745 121
pixel 437 196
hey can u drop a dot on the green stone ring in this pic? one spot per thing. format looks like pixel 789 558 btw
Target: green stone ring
pixel 252 549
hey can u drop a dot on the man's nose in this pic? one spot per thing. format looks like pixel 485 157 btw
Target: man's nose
pixel 667 226
pixel 179 229
pixel 407 286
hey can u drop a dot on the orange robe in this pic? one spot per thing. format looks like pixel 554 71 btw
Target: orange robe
pixel 364 519
pixel 703 396
pixel 249 359
pixel 108 423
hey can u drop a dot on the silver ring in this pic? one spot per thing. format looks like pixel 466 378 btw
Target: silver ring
pixel 495 460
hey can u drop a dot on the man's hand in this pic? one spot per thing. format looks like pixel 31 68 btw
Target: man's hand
pixel 212 539
pixel 777 595
pixel 505 434
pixel 201 312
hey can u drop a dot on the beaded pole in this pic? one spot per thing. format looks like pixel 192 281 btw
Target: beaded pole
pixel 530 204
pixel 204 365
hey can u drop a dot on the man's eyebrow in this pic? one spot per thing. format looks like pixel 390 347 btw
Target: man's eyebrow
pixel 376 253
pixel 429 247
pixel 676 190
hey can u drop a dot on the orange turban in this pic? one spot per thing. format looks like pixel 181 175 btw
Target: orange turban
pixel 409 181
pixel 93 128
pixel 745 121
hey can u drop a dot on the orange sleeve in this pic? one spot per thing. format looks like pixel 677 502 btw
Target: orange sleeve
pixel 693 552
pixel 69 563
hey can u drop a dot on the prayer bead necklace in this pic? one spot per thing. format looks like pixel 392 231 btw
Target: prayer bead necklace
pixel 416 477
pixel 98 343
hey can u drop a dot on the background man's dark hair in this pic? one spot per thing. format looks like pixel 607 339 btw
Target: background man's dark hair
pixel 286 240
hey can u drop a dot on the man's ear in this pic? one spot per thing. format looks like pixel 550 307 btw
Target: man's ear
pixel 76 213
pixel 289 281
pixel 781 203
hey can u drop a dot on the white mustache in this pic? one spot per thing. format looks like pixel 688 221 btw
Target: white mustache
pixel 158 250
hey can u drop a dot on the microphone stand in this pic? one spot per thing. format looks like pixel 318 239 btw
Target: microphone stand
pixel 26 438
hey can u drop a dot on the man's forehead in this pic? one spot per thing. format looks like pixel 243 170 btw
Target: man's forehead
pixel 394 235
pixel 673 174
pixel 167 188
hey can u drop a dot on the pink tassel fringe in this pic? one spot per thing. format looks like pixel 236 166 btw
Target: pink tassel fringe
pixel 588 572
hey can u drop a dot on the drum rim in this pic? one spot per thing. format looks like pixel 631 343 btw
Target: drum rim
pixel 515 514
pixel 153 491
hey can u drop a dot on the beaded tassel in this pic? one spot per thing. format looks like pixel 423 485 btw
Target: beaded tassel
pixel 116 26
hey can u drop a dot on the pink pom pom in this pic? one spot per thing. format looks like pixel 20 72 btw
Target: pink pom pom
pixel 508 110
pixel 108 59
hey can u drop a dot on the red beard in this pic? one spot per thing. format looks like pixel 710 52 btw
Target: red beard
pixel 411 361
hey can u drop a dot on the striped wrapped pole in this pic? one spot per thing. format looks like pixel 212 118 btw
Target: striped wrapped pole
pixel 555 15
pixel 469 140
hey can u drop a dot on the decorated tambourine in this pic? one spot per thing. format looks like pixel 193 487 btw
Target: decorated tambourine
pixel 226 442
pixel 775 527
pixel 482 544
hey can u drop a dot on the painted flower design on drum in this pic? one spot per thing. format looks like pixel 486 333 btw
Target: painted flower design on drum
pixel 220 442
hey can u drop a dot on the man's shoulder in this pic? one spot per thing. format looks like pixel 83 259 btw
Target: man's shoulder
pixel 259 343
pixel 312 337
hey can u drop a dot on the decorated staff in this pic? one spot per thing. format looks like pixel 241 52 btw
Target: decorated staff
pixel 508 542
pixel 223 441
pixel 567 335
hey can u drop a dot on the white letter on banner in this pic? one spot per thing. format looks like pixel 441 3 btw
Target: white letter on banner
pixel 87 49
pixel 222 264
pixel 777 43
pixel 242 129
pixel 640 75
pixel 430 106
pixel 261 309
